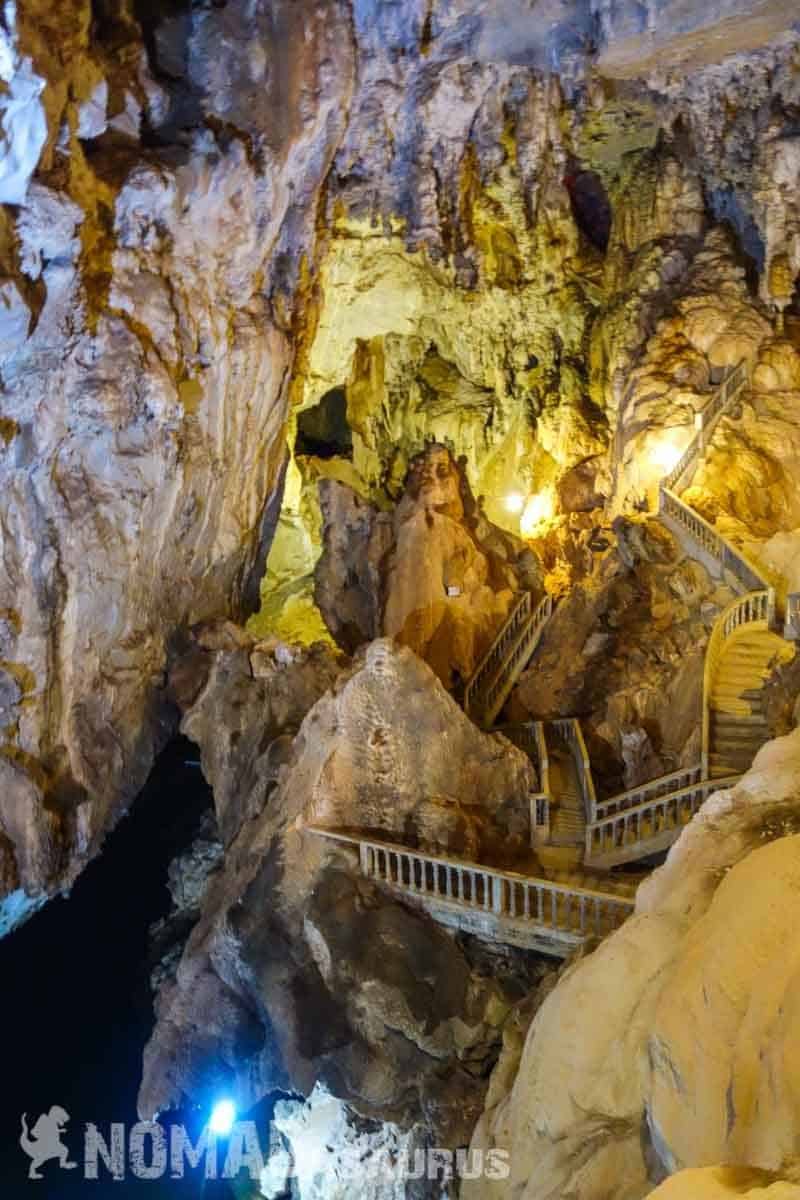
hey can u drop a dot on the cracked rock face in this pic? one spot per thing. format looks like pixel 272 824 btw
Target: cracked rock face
pixel 144 397
pixel 301 970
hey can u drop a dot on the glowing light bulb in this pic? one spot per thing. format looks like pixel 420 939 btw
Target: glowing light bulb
pixel 223 1117
pixel 539 508
pixel 515 502
pixel 665 455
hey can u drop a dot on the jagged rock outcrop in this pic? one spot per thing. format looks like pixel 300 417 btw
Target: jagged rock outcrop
pixel 146 346
pixel 213 218
pixel 671 1045
pixel 433 574
pixel 625 648
pixel 299 969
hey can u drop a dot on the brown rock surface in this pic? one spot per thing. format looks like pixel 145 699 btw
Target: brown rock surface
pixel 433 574
pixel 300 969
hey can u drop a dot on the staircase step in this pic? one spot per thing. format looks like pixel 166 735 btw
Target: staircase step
pixel 730 764
pixel 752 718
pixel 750 676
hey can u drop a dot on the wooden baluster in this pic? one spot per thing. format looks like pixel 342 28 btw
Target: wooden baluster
pixel 582 914
pixel 553 909
pixel 497 893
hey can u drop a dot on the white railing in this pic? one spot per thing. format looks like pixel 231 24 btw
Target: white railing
pixel 754 609
pixel 670 506
pixel 712 542
pixel 523 736
pixel 492 660
pixel 501 666
pixel 505 895
pixel 540 818
pixel 571 732
pixel 648 791
pixel 649 827
pixel 528 736
pixel 791 629
pixel 734 383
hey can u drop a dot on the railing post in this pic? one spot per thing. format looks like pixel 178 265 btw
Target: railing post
pixel 498 885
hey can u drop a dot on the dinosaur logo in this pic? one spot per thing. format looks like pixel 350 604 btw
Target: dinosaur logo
pixel 43 1142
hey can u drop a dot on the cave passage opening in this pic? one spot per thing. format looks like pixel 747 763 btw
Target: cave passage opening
pixel 76 1009
pixel 591 207
pixel 323 431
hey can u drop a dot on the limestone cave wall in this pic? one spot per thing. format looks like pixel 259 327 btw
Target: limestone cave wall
pixel 306 304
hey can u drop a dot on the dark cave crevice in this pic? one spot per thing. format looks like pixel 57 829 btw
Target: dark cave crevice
pixel 76 1008
pixel 591 207
pixel 323 431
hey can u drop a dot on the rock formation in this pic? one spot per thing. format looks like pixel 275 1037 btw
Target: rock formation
pixel 668 1046
pixel 429 574
pixel 299 970
pixel 327 331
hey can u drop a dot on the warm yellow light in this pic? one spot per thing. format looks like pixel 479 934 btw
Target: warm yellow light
pixel 665 456
pixel 515 502
pixel 539 508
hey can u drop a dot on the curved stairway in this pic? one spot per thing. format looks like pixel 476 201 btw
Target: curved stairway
pixel 557 917
pixel 737 723
pixel 746 643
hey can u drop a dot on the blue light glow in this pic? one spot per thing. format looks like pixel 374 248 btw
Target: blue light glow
pixel 223 1116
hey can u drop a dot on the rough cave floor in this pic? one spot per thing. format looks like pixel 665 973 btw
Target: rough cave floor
pixel 75 1006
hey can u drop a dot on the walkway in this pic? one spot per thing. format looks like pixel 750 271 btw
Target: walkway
pixel 748 639
pixel 502 906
